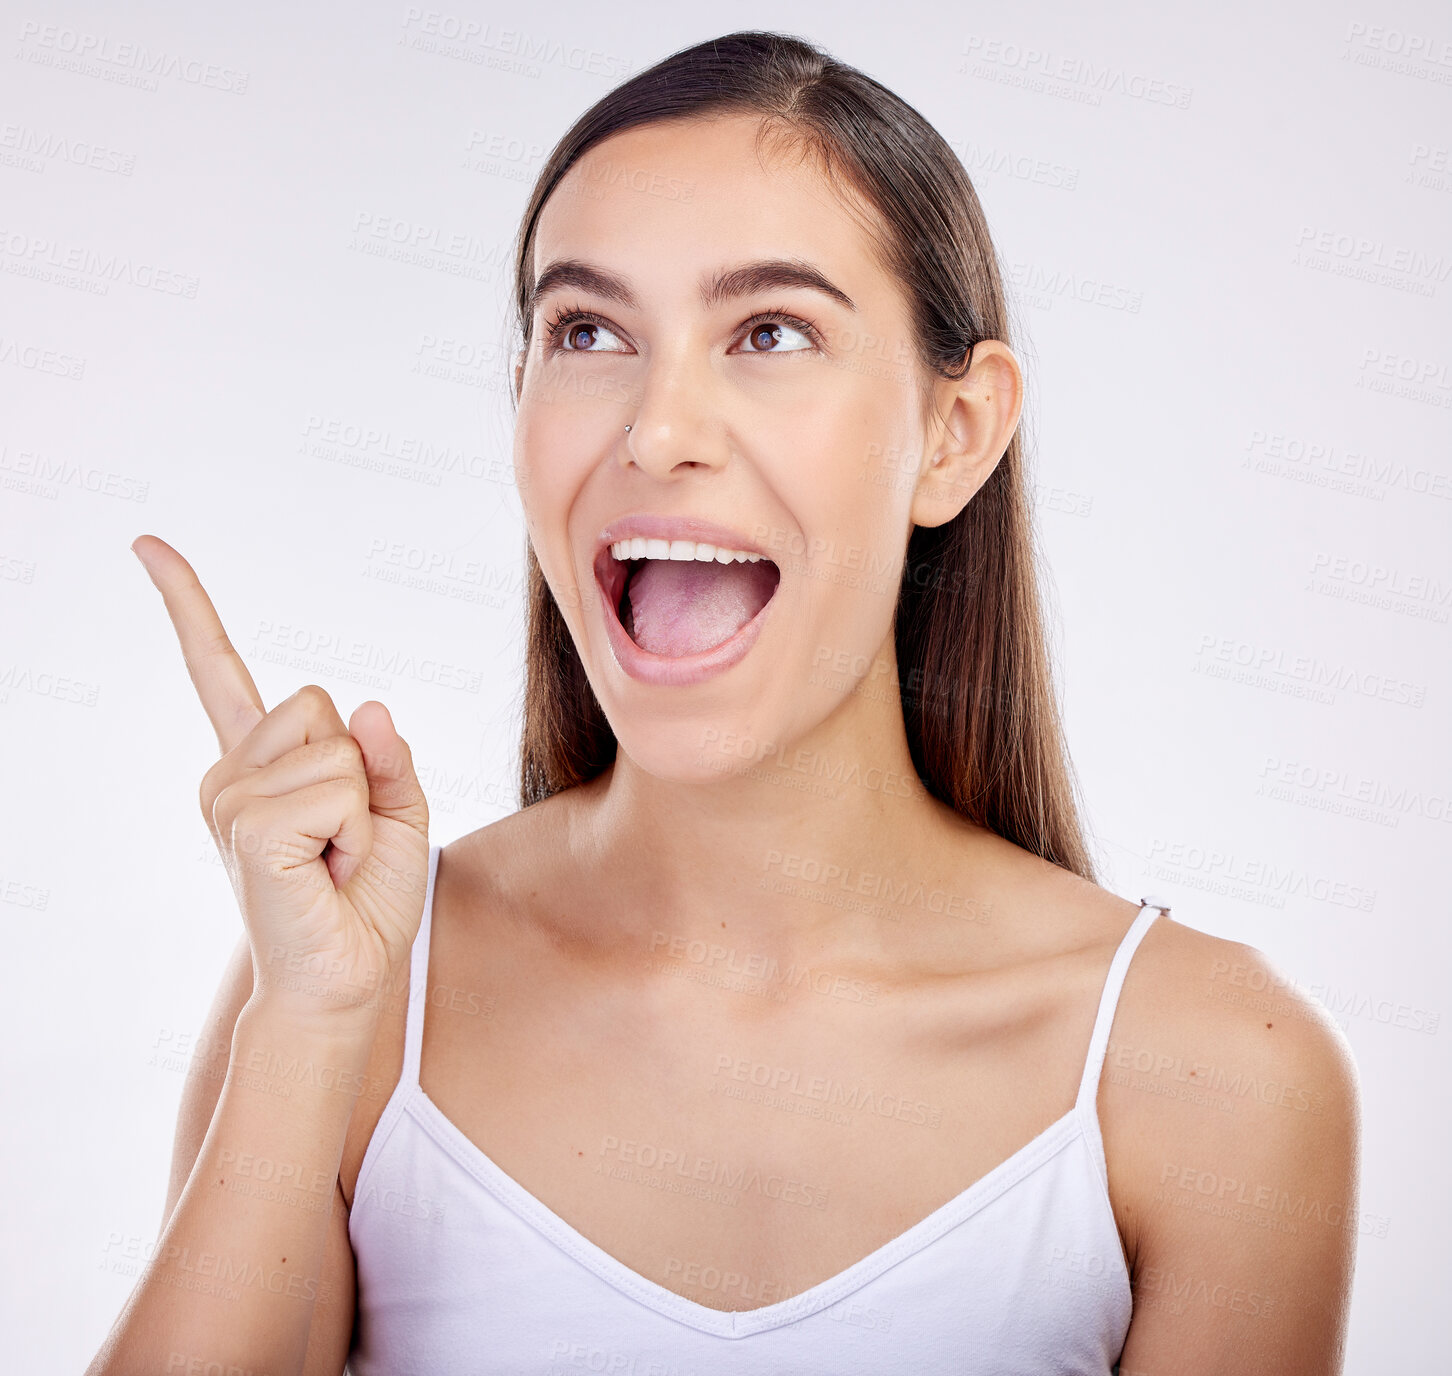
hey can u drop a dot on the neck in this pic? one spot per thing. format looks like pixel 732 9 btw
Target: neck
pixel 778 856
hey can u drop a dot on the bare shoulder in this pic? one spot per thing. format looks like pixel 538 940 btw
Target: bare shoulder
pixel 501 853
pixel 1230 1113
pixel 472 870
pixel 1225 1017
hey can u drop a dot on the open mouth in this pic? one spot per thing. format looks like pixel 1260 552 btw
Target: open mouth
pixel 676 598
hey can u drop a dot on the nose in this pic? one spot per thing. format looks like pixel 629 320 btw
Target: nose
pixel 677 427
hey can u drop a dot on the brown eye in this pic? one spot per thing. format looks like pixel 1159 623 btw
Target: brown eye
pixel 581 335
pixel 766 337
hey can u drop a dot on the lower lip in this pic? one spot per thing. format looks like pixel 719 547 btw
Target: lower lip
pixel 669 671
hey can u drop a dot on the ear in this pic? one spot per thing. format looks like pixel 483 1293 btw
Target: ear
pixel 972 423
pixel 519 358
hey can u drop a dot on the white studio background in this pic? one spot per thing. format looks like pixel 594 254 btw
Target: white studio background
pixel 253 288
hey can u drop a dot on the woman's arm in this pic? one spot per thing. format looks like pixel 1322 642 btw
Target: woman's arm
pixel 1235 1142
pixel 241 1267
pixel 323 829
pixel 332 1327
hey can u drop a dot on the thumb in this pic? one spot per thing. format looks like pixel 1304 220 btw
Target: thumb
pixel 393 786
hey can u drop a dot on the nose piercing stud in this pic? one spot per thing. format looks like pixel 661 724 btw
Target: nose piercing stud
pixel 627 429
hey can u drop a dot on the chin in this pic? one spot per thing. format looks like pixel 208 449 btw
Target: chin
pixel 694 750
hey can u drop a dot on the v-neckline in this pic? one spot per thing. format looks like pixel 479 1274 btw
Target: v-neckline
pixel 736 1323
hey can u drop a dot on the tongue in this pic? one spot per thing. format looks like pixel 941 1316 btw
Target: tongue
pixel 683 606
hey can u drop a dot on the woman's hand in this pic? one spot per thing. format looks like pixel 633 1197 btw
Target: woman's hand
pixel 323 827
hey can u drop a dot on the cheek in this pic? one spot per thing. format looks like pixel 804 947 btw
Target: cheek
pixel 848 432
pixel 595 392
pixel 852 505
pixel 862 569
pixel 568 413
pixel 549 469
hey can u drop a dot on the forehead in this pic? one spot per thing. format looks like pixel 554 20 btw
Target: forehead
pixel 666 202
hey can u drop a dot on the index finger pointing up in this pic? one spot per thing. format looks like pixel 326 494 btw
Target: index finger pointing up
pixel 229 697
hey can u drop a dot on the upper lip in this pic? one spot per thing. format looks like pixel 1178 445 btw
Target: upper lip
pixel 645 525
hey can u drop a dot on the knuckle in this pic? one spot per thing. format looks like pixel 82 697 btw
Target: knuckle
pixel 227 805
pixel 314 698
pixel 207 792
pixel 248 835
pixel 338 755
pixel 219 774
pixel 346 749
pixel 217 644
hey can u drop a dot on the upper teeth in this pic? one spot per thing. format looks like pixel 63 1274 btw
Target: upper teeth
pixel 639 548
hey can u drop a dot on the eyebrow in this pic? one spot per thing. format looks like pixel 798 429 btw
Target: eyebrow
pixel 769 274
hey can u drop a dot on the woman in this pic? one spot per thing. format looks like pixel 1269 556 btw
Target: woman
pixel 785 1028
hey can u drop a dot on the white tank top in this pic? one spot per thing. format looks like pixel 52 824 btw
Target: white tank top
pixel 462 1270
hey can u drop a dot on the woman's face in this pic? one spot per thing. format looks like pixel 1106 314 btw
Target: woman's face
pixel 769 416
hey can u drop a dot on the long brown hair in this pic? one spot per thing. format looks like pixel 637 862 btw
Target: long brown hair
pixel 974 674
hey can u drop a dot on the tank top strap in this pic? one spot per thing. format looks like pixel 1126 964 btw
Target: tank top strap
pixel 1149 909
pixel 418 978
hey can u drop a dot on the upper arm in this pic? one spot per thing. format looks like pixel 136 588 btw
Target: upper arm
pixel 1244 1175
pixel 332 1326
